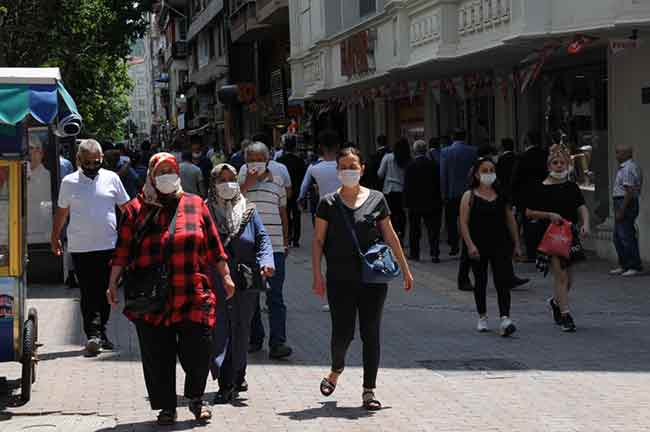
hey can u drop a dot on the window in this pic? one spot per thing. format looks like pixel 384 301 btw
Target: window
pixel 366 7
pixel 204 50
pixel 182 29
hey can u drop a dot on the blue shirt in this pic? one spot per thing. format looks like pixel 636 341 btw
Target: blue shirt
pixel 456 161
pixel 65 167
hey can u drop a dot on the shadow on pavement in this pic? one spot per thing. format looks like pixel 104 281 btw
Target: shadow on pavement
pixel 330 410
pixel 152 426
pixel 61 355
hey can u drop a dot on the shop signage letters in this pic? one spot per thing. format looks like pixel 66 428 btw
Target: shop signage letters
pixel 356 54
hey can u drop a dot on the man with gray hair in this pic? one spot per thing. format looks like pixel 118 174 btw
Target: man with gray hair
pixel 268 192
pixel 626 193
pixel 423 201
pixel 89 197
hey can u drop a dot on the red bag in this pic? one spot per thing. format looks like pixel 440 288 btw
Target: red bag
pixel 557 240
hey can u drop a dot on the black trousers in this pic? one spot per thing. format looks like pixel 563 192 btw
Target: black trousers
pixel 502 275
pixel 346 300
pixel 93 272
pixel 295 216
pixel 464 267
pixel 159 346
pixel 533 233
pixel 432 221
pixel 452 212
pixel 397 213
pixel 239 315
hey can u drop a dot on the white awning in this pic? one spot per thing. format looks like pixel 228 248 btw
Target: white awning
pixel 29 75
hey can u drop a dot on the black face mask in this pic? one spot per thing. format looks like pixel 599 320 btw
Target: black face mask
pixel 91 171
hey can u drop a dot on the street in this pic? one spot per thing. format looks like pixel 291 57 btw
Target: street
pixel 438 373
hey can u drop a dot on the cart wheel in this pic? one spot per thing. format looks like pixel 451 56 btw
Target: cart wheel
pixel 29 347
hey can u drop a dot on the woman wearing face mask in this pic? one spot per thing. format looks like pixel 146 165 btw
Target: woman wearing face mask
pixel 347 294
pixel 491 235
pixel 558 199
pixel 249 248
pixel 184 328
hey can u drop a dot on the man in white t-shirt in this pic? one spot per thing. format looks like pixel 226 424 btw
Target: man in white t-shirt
pixel 89 197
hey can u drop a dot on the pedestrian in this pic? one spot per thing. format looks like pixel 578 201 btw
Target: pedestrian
pixel 269 195
pixel 434 150
pixel 506 166
pixel 392 169
pixel 200 160
pixel 297 169
pixel 491 235
pixel 531 169
pixel 122 167
pixel 324 172
pixel 167 227
pixel 456 161
pixel 191 176
pixel 237 158
pixel 277 170
pixel 556 200
pixel 626 193
pixel 249 249
pixel 423 201
pixel 66 168
pixel 370 178
pixel 89 197
pixel 346 293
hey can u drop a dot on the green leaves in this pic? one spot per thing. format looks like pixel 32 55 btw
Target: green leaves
pixel 89 40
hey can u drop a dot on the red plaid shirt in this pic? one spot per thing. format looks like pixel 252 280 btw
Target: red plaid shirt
pixel 196 246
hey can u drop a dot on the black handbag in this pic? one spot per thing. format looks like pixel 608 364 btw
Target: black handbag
pixel 147 290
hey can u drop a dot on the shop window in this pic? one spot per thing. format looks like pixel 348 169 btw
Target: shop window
pixel 4 216
pixel 367 7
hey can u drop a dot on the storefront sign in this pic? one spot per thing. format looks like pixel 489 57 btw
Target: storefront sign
pixel 357 54
pixel 617 46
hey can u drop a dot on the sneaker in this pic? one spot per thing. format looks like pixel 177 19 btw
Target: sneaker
pixel 482 325
pixel 107 344
pixel 242 387
pixel 325 308
pixel 224 396
pixel 507 327
pixel 93 347
pixel 617 271
pixel 280 351
pixel 631 273
pixel 557 315
pixel 568 325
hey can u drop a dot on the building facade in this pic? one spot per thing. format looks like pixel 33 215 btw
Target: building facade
pixel 574 71
pixel 141 100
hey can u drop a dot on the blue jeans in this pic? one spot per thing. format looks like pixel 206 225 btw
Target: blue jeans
pixel 277 309
pixel 626 240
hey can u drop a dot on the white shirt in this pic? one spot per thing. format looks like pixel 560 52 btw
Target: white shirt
pixel 93 224
pixel 628 176
pixel 275 168
pixel 268 196
pixel 326 177
pixel 393 175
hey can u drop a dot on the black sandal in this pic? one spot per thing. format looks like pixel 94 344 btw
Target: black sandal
pixel 327 387
pixel 200 410
pixel 167 417
pixel 369 401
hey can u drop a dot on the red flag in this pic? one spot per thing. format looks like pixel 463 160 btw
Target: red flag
pixel 579 42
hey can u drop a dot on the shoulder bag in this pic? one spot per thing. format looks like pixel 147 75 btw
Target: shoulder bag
pixel 147 290
pixel 378 265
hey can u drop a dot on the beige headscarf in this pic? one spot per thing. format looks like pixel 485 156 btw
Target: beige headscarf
pixel 228 214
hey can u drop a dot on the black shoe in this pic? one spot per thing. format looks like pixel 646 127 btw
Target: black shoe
pixel 568 325
pixel 296 244
pixel 435 260
pixel 466 286
pixel 242 387
pixel 454 251
pixel 557 315
pixel 93 347
pixel 517 282
pixel 71 281
pixel 254 348
pixel 280 351
pixel 107 344
pixel 167 417
pixel 224 396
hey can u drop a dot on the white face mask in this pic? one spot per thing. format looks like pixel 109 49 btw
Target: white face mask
pixel 168 183
pixel 488 179
pixel 562 175
pixel 228 190
pixel 349 178
pixel 197 155
pixel 259 167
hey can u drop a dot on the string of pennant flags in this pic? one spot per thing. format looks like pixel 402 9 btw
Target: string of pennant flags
pixel 472 84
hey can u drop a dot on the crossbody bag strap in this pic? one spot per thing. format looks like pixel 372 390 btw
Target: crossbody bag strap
pixel 248 215
pixel 348 224
pixel 169 244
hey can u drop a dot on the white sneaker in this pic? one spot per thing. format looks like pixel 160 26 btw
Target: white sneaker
pixel 507 327
pixel 482 325
pixel 631 272
pixel 617 271
pixel 325 308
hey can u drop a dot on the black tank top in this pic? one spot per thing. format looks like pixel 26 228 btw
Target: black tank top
pixel 488 226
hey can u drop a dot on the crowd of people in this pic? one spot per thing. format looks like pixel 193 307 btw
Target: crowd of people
pixel 217 232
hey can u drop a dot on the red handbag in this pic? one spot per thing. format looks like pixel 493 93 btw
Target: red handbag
pixel 557 240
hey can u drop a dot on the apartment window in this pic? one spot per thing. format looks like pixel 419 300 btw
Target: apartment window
pixel 367 7
pixel 182 29
pixel 204 50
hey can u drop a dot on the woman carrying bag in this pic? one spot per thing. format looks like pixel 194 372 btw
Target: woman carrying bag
pixel 167 244
pixel 558 200
pixel 350 224
pixel 251 261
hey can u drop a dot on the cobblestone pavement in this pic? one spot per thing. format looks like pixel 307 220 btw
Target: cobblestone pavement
pixel 437 373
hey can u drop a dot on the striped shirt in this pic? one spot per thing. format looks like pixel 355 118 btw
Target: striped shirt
pixel 268 196
pixel 629 177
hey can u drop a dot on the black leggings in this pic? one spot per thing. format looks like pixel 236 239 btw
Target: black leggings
pixel 397 212
pixel 502 274
pixel 345 299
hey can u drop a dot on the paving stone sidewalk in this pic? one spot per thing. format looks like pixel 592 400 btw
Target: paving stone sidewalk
pixel 437 373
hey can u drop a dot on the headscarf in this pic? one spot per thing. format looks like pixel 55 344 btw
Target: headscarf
pixel 228 214
pixel 150 194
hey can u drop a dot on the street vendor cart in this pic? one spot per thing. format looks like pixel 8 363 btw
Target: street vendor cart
pixel 35 111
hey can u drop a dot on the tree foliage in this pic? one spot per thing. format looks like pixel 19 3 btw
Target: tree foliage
pixel 89 40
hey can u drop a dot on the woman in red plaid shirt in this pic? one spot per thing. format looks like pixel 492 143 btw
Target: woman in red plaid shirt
pixel 183 329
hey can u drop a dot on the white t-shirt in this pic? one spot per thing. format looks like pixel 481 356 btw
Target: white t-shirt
pixel 93 223
pixel 326 177
pixel 277 170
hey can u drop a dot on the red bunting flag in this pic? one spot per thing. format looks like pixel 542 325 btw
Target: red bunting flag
pixel 579 42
